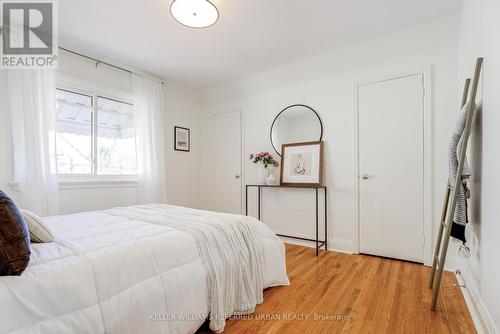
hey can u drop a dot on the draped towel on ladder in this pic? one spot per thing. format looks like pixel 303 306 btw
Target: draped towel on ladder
pixel 460 219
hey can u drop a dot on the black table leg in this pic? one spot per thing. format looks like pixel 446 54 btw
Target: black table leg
pixel 326 222
pixel 317 236
pixel 258 205
pixel 246 200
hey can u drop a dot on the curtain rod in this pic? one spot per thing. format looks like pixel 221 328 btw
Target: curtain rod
pixel 98 61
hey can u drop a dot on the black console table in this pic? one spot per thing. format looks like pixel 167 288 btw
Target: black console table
pixel 319 243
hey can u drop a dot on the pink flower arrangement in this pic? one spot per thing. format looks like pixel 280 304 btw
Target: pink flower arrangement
pixel 265 158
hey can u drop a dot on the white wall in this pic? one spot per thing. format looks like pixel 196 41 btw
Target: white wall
pixel 182 168
pixel 326 83
pixel 479 37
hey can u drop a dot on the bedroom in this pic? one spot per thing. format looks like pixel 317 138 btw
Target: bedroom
pixel 231 166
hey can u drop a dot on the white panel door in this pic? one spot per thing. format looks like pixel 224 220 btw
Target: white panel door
pixel 227 162
pixel 391 168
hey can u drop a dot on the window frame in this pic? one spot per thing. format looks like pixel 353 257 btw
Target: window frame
pixel 94 91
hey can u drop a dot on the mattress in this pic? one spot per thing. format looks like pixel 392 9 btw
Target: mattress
pixel 110 274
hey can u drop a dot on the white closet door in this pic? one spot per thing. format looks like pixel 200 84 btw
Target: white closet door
pixel 227 162
pixel 391 168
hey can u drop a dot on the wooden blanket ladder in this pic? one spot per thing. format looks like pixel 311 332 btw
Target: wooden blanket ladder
pixel 451 195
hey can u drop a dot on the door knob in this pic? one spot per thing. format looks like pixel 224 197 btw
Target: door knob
pixel 364 176
pixel 237 176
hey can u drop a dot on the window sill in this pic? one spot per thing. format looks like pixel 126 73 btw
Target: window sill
pixel 68 183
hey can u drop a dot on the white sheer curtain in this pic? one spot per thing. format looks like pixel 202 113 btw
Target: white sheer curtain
pixel 32 111
pixel 149 113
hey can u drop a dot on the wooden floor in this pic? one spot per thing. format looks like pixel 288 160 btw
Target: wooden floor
pixel 341 293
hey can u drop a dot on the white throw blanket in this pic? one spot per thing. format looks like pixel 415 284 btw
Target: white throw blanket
pixel 454 153
pixel 230 249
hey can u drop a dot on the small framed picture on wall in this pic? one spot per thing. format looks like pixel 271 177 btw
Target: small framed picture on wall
pixel 301 163
pixel 182 139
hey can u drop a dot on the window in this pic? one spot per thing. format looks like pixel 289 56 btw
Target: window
pixel 95 135
pixel 73 133
pixel 116 153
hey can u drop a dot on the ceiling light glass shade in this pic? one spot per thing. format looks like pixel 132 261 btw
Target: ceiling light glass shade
pixel 194 13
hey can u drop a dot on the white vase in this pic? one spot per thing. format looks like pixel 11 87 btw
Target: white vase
pixel 262 173
pixel 271 179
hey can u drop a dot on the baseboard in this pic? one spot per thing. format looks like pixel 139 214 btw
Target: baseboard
pixel 337 245
pixel 479 313
pixel 342 245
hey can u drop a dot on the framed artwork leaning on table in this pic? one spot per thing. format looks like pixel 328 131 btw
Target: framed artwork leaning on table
pixel 302 163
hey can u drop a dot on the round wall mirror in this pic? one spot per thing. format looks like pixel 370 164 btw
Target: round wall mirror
pixel 295 124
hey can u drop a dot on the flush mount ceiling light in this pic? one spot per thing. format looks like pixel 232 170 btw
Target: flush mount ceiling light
pixel 194 13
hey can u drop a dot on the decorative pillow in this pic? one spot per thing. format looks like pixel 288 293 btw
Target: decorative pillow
pixel 39 232
pixel 14 238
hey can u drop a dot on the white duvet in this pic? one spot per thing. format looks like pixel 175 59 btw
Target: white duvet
pixel 110 274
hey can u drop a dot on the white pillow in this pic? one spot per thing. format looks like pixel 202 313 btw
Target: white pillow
pixel 38 231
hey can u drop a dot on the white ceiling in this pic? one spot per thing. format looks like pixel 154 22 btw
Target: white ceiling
pixel 250 35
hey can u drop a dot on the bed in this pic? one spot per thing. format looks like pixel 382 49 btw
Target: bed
pixel 109 272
